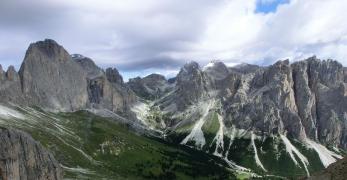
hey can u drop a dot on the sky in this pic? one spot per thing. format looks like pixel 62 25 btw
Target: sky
pixel 140 37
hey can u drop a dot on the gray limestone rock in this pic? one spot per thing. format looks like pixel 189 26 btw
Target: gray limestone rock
pixel 306 99
pixel 51 79
pixel 113 76
pixel 150 87
pixel 10 87
pixel 106 89
pixel 22 158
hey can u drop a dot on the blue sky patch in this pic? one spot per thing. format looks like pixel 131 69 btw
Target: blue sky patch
pixel 268 6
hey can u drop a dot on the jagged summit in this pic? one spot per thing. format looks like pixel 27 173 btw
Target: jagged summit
pixel 212 64
pixel 245 68
pixel 88 65
pixel 150 87
pixel 49 48
pixel 190 66
pixel 113 76
pixel 51 78
pixel 216 70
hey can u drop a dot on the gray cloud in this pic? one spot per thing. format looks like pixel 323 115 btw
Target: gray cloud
pixel 142 35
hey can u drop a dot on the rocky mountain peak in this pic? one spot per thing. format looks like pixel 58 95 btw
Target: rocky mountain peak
pixel 88 65
pixel 282 63
pixel 190 67
pixel 49 48
pixel 150 87
pixel 2 73
pixel 245 68
pixel 216 70
pixel 155 77
pixel 51 79
pixel 11 74
pixel 113 76
pixel 189 71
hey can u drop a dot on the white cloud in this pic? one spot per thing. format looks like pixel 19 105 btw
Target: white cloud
pixel 143 35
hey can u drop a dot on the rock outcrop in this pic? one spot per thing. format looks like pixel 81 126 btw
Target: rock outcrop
pixel 191 85
pixel 22 158
pixel 335 171
pixel 51 79
pixel 10 86
pixel 305 99
pixel 106 89
pixel 150 87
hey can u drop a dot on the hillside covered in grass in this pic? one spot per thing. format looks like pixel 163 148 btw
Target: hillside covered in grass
pixel 92 147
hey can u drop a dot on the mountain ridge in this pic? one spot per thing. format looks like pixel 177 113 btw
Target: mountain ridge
pixel 220 110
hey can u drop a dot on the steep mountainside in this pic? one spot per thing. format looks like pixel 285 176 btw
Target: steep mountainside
pixel 47 76
pixel 106 89
pixel 335 171
pixel 23 158
pixel 150 87
pixel 52 79
pixel 263 114
pixel 92 147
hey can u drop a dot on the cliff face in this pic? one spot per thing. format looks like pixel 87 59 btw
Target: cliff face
pixel 106 89
pixel 23 158
pixel 306 99
pixel 150 87
pixel 10 86
pixel 335 171
pixel 51 79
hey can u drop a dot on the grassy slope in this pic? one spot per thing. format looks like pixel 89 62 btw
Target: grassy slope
pixel 99 148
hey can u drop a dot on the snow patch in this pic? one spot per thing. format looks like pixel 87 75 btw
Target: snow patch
pixel 219 137
pixel 257 160
pixel 291 149
pixel 326 156
pixel 210 64
pixel 235 166
pixel 6 112
pixel 78 170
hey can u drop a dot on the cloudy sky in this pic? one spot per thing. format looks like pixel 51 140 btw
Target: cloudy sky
pixel 143 36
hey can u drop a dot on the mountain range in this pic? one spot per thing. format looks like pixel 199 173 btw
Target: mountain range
pixel 281 121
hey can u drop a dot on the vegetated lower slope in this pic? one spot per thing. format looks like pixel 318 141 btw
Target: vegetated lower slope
pixel 336 171
pixel 93 147
pixel 266 155
pixel 285 119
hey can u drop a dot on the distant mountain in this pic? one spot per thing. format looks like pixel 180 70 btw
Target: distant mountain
pixel 283 120
pixel 150 87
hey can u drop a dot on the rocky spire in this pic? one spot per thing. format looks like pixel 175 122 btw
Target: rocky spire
pixel 11 74
pixel 2 73
pixel 113 76
pixel 51 79
pixel 216 70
